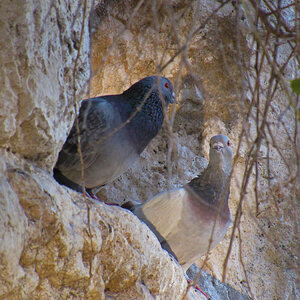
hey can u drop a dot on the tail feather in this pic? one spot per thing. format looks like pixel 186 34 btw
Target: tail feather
pixel 60 178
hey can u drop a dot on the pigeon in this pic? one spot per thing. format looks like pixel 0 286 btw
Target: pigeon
pixel 114 131
pixel 183 219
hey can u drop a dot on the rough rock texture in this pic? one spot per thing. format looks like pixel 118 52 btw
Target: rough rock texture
pixel 56 244
pixel 39 42
pixel 216 289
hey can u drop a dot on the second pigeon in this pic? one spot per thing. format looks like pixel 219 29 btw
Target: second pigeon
pixel 183 219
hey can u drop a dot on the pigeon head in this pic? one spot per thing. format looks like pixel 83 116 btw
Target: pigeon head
pixel 165 89
pixel 153 85
pixel 220 153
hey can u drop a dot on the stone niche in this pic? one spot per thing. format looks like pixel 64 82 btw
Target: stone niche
pixel 58 244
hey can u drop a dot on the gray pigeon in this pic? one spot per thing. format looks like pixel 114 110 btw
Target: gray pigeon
pixel 114 130
pixel 183 218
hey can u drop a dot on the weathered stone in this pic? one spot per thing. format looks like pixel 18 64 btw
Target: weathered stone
pixel 59 243
pixel 39 44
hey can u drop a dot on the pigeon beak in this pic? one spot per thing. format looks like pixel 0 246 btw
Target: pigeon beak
pixel 174 98
pixel 218 146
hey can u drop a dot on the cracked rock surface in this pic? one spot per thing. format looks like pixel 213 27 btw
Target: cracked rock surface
pixel 57 243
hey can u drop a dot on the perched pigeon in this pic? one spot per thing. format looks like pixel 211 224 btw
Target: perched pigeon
pixel 183 218
pixel 114 130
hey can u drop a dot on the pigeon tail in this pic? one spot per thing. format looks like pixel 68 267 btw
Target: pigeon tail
pixel 60 178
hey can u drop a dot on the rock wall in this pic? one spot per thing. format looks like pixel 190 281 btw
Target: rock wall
pixel 39 46
pixel 57 244
pixel 215 78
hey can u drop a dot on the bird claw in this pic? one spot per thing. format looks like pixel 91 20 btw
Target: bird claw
pixel 198 288
pixel 130 205
pixel 93 196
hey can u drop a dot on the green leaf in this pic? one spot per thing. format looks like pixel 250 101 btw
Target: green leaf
pixel 295 85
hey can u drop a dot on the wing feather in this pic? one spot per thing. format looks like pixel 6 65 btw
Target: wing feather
pixel 164 210
pixel 96 119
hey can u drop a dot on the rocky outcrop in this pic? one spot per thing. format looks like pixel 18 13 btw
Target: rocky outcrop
pixel 39 46
pixel 58 244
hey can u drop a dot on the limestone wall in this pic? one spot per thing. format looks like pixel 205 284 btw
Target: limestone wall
pixel 57 244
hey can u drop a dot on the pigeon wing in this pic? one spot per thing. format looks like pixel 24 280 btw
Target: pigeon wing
pixel 203 189
pixel 163 212
pixel 97 119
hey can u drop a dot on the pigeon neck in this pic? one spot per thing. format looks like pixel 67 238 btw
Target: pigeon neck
pixel 147 121
pixel 218 180
pixel 216 176
pixel 213 185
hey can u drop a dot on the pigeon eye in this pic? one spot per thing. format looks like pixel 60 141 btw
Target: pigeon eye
pixel 228 143
pixel 167 85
